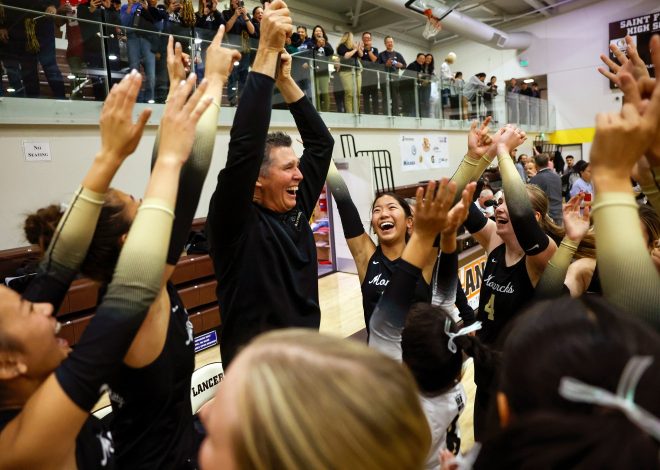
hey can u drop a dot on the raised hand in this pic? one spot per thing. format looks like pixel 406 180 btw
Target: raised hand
pixel 576 224
pixel 432 208
pixel 622 138
pixel 285 68
pixel 119 134
pixel 457 214
pixel 510 138
pixel 178 62
pixel 632 64
pixel 180 119
pixel 220 60
pixel 276 24
pixel 478 139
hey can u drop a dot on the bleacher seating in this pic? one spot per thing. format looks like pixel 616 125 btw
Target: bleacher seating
pixel 193 277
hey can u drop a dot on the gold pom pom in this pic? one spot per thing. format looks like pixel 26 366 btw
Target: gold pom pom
pixel 32 44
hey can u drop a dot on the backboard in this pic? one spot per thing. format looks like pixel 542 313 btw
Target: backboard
pixel 433 8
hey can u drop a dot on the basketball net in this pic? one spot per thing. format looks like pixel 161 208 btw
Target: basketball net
pixel 433 25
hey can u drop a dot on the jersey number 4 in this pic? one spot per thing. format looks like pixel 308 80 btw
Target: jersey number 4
pixel 490 307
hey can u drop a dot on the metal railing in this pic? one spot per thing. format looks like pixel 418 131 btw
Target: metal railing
pixel 97 50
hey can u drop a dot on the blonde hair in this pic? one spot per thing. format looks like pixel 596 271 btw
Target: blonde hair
pixel 308 400
pixel 347 38
pixel 539 201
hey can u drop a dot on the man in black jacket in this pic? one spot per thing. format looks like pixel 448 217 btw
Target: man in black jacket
pixel 260 240
pixel 550 183
pixel 393 62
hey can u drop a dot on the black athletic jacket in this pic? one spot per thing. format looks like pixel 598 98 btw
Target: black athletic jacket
pixel 265 262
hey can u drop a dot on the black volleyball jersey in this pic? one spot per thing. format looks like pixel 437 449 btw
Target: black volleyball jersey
pixel 94 446
pixel 152 416
pixel 594 285
pixel 505 291
pixel 379 273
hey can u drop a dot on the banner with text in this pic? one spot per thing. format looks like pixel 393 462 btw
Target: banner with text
pixel 641 29
pixel 424 152
pixel 471 275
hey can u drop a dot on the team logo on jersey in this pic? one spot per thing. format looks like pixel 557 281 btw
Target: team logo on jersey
pixel 107 447
pixel 377 281
pixel 508 289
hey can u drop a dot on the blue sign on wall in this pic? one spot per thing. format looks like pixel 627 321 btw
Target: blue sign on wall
pixel 206 341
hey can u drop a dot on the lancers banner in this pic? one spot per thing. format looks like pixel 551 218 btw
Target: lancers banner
pixel 424 152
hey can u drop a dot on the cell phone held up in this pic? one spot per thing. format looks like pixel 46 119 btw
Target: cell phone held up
pixel 241 4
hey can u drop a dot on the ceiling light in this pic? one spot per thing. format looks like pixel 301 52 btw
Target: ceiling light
pixel 112 57
pixel 151 101
pixel 529 80
pixel 71 76
pixel 11 90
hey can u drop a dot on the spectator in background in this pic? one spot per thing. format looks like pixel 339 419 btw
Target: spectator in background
pixel 207 15
pixel 393 62
pixel 489 95
pixel 474 89
pixel 239 28
pixel 207 22
pixel 322 56
pixel 410 81
pixel 550 183
pixel 370 76
pixel 530 169
pixel 100 11
pixel 486 195
pixel 570 159
pixel 337 87
pixel 137 14
pixel 74 43
pixel 257 15
pixel 350 74
pixel 520 166
pixel 457 96
pixel 302 61
pixel 536 93
pixel 428 85
pixel 45 30
pixel 446 79
pixel 512 86
pixel 582 183
pixel 525 89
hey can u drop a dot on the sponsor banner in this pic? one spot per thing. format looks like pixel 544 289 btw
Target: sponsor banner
pixel 424 152
pixel 471 275
pixel 206 341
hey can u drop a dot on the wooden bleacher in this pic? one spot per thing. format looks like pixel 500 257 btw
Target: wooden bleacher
pixel 193 277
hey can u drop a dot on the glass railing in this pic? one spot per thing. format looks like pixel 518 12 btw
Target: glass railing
pixel 97 49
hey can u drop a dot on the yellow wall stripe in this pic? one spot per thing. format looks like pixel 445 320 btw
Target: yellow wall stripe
pixel 572 136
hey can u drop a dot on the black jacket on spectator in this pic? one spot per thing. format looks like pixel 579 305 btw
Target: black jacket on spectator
pixel 384 56
pixel 550 183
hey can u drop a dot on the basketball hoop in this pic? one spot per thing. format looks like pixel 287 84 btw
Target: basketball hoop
pixel 433 25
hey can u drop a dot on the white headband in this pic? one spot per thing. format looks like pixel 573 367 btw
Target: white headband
pixel 577 391
pixel 462 332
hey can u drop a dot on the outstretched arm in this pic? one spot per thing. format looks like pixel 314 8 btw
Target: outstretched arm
pixel 219 62
pixel 445 273
pixel 60 406
pixel 627 273
pixel 119 138
pixel 538 247
pixel 316 137
pixel 359 243
pixel 232 200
